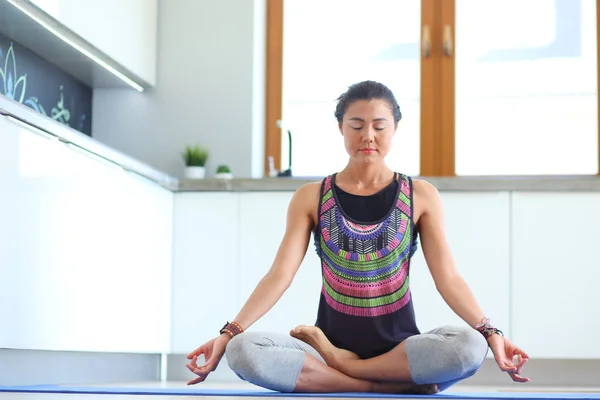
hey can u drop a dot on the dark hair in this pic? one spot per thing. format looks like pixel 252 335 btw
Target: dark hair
pixel 367 90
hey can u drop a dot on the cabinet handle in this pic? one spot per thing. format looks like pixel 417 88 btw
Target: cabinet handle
pixel 37 130
pixel 426 42
pixel 29 126
pixel 448 41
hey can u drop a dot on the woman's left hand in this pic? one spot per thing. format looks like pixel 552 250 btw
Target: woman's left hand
pixel 504 353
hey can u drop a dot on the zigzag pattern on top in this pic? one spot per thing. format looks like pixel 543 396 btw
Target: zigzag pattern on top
pixel 365 266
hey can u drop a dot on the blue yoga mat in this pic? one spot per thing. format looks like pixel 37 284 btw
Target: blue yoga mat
pixel 196 391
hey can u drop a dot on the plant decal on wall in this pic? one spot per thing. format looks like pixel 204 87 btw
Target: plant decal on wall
pixel 14 87
pixel 59 112
pixel 9 74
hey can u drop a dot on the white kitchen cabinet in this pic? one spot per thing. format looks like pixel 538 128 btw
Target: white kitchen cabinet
pixel 477 230
pixel 125 30
pixel 206 276
pixel 262 226
pixel 556 302
pixel 85 255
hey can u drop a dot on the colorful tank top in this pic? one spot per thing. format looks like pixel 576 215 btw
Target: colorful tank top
pixel 366 304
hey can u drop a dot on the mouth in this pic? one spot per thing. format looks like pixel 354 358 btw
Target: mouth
pixel 367 150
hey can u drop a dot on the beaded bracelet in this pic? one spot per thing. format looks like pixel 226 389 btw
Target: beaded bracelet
pixel 487 329
pixel 231 328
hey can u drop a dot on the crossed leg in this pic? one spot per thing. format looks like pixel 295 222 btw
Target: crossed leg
pixel 286 364
pixel 443 356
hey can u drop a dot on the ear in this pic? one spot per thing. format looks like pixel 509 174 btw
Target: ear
pixel 340 128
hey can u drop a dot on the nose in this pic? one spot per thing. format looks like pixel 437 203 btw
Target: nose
pixel 368 135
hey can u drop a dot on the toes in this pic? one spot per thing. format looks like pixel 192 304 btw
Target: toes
pixel 427 389
pixel 296 331
pixel 299 329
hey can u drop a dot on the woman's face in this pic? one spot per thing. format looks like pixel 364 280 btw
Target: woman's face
pixel 368 128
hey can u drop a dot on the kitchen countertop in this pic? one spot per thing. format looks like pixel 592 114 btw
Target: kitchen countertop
pixel 23 114
pixel 525 183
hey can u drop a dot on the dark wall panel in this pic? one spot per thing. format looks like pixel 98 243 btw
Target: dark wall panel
pixel 31 80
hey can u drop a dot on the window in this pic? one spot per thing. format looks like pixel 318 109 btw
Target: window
pixel 526 100
pixel 500 92
pixel 331 44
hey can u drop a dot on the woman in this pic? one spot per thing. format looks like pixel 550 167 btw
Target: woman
pixel 365 220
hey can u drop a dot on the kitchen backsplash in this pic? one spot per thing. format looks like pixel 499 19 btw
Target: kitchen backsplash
pixel 31 80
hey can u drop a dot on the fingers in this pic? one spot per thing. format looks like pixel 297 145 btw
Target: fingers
pixel 197 380
pixel 505 358
pixel 521 352
pixel 520 365
pixel 518 378
pixel 514 371
pixel 196 352
pixel 507 366
pixel 202 371
pixel 201 375
pixel 505 363
pixel 194 363
pixel 514 350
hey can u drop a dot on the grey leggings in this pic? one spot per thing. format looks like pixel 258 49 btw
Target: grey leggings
pixel 443 356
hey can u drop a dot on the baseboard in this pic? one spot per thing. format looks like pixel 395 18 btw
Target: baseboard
pixel 33 367
pixel 543 372
pixel 177 370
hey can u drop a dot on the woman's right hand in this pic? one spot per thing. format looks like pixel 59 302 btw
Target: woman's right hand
pixel 213 351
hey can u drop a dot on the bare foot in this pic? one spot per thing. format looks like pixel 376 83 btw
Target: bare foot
pixel 404 388
pixel 315 337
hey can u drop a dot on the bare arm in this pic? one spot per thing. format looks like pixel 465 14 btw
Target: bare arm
pixel 448 281
pixel 269 290
pixel 452 287
pixel 290 254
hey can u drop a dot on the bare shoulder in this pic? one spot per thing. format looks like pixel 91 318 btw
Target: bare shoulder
pixel 305 200
pixel 307 193
pixel 423 188
pixel 426 197
pixel 299 226
pixel 311 188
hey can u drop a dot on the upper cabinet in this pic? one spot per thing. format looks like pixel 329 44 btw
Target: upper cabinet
pixel 104 43
pixel 125 30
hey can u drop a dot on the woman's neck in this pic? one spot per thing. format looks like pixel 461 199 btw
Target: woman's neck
pixel 365 175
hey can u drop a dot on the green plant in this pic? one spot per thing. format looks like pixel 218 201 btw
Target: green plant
pixel 223 169
pixel 195 156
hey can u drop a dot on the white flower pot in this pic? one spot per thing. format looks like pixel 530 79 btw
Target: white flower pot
pixel 224 175
pixel 195 172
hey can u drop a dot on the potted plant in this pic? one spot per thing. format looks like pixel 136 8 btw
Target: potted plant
pixel 195 161
pixel 223 172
